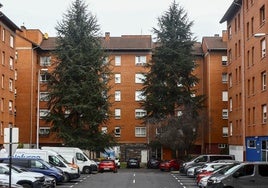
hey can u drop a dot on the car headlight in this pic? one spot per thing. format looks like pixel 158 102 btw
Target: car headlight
pixel 39 178
pixel 216 180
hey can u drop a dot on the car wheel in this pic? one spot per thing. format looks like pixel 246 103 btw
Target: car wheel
pixel 66 177
pixel 87 170
pixel 26 185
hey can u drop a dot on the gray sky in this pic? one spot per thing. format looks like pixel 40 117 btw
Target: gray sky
pixel 119 17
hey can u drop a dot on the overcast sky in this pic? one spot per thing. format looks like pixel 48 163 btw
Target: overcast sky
pixel 119 17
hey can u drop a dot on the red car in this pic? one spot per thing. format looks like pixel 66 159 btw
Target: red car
pixel 107 165
pixel 170 165
pixel 202 174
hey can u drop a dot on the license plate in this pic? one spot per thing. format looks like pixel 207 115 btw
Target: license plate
pixel 106 168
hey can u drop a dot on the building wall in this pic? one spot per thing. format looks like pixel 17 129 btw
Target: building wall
pixel 7 78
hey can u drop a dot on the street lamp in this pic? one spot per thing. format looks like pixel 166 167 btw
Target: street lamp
pixel 38 107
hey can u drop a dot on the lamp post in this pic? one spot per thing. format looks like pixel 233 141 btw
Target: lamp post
pixel 38 107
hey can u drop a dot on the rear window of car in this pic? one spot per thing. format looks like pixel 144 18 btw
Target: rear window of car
pixel 218 157
pixel 21 163
pixel 263 170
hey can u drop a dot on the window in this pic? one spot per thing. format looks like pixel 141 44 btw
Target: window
pixel 179 113
pixel 252 55
pixel 117 96
pixel 224 60
pixel 139 96
pixel 43 113
pixel 3 58
pixel 2 104
pixel 117 78
pixel 44 96
pixel 263 80
pixel 224 96
pixel 139 113
pixel 139 78
pixel 44 131
pixel 264 113
pixel 230 80
pixel 3 35
pixel 221 146
pixel 117 61
pixel 117 113
pixel 224 113
pixel 11 41
pixel 104 130
pixel 263 48
pixel 117 131
pixel 3 81
pixel 10 107
pixel 224 78
pixel 11 63
pixel 140 60
pixel 229 32
pixel 231 128
pixel 251 144
pixel 262 15
pixel 140 132
pixel 44 76
pixel 45 61
pixel 225 131
pixel 10 85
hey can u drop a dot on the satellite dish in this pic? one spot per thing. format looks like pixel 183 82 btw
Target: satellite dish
pixel 45 36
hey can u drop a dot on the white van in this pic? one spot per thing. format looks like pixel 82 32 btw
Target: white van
pixel 86 165
pixel 71 171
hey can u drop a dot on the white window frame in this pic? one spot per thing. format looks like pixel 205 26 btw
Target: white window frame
pixel 224 78
pixel 43 113
pixel 117 95
pixel 224 113
pixel 11 41
pixel 230 104
pixel 10 107
pixel 231 128
pixel 139 78
pixel 140 60
pixel 222 146
pixel 263 80
pixel 251 144
pixel 140 131
pixel 140 113
pixel 44 131
pixel 45 61
pixel 104 130
pixel 117 78
pixel 117 113
pixel 11 63
pixel 225 96
pixel 44 76
pixel 3 34
pixel 224 60
pixel 264 113
pixel 225 132
pixel 44 96
pixel 117 60
pixel 139 96
pixel 10 85
pixel 263 48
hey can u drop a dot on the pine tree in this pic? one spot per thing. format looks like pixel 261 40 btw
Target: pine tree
pixel 169 84
pixel 78 100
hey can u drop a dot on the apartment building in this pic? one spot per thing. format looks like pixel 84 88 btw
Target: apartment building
pixel 247 78
pixel 8 73
pixel 214 79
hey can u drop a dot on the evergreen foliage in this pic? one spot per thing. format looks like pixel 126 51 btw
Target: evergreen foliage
pixel 169 86
pixel 78 100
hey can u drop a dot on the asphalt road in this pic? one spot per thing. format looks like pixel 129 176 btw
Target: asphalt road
pixel 132 178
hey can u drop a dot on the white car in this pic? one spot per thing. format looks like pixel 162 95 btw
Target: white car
pixel 26 179
pixel 191 171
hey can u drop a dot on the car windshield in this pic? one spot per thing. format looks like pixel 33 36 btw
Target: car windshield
pixel 64 160
pixel 231 170
pixel 46 163
pixel 15 169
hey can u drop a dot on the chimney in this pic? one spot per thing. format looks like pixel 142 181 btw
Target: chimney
pixel 224 36
pixel 107 35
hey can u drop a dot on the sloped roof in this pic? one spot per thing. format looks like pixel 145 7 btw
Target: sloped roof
pixel 125 42
pixel 8 22
pixel 232 10
pixel 215 43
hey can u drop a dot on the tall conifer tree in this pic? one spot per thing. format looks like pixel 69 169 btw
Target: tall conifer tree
pixel 169 84
pixel 78 100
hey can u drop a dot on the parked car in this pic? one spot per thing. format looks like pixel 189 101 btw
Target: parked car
pixel 107 165
pixel 6 185
pixel 133 163
pixel 170 165
pixel 191 171
pixel 37 165
pixel 25 179
pixel 202 159
pixel 153 163
pixel 246 174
